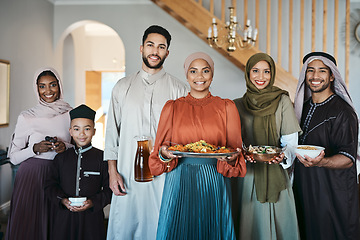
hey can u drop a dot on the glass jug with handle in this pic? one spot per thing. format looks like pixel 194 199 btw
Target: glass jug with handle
pixel 141 166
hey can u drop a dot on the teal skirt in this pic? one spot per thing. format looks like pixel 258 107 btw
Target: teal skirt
pixel 196 203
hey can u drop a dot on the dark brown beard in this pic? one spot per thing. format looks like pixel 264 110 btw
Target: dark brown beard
pixel 159 65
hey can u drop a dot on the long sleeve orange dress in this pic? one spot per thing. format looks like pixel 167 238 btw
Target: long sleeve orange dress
pixel 196 193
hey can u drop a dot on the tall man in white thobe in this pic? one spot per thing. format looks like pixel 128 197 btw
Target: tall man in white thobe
pixel 135 108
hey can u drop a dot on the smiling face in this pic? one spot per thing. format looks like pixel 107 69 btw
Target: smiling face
pixel 82 130
pixel 318 77
pixel 199 76
pixel 154 52
pixel 260 74
pixel 48 88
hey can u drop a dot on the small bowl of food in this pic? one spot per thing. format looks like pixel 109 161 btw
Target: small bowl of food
pixel 77 201
pixel 263 153
pixel 309 150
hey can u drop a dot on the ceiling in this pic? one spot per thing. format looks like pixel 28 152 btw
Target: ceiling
pixel 97 2
pixel 105 2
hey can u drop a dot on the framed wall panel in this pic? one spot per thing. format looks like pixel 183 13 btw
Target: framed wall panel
pixel 4 92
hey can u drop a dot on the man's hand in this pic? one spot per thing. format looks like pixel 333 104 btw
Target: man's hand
pixel 337 161
pixel 311 162
pixel 116 182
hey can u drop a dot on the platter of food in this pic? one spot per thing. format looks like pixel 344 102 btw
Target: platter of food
pixel 263 153
pixel 201 149
pixel 309 150
pixel 202 155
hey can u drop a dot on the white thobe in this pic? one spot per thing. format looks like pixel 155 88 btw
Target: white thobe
pixel 135 109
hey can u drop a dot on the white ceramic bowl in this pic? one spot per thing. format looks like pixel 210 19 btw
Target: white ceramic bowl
pixel 77 201
pixel 312 152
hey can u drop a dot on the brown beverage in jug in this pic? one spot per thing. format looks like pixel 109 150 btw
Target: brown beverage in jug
pixel 142 170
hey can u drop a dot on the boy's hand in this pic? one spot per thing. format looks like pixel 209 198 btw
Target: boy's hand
pixel 87 204
pixel 66 202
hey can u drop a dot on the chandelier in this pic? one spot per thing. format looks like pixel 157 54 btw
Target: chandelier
pixel 232 38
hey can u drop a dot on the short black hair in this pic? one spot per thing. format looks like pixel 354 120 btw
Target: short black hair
pixel 157 29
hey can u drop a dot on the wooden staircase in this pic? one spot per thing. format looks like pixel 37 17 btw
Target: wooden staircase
pixel 198 19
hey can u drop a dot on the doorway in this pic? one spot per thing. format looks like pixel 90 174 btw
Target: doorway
pixel 98 95
pixel 93 61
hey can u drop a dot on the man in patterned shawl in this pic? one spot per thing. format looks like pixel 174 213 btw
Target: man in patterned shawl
pixel 325 187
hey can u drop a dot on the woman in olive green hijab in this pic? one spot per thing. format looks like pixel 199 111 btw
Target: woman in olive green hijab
pixel 267 206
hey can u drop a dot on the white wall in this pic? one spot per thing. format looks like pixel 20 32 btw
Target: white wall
pixel 26 41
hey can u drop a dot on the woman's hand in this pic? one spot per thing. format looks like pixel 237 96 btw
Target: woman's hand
pixel 59 147
pixel 277 160
pixel 165 153
pixel 249 158
pixel 43 146
pixel 231 159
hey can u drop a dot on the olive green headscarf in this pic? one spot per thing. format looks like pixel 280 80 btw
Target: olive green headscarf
pixel 262 104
